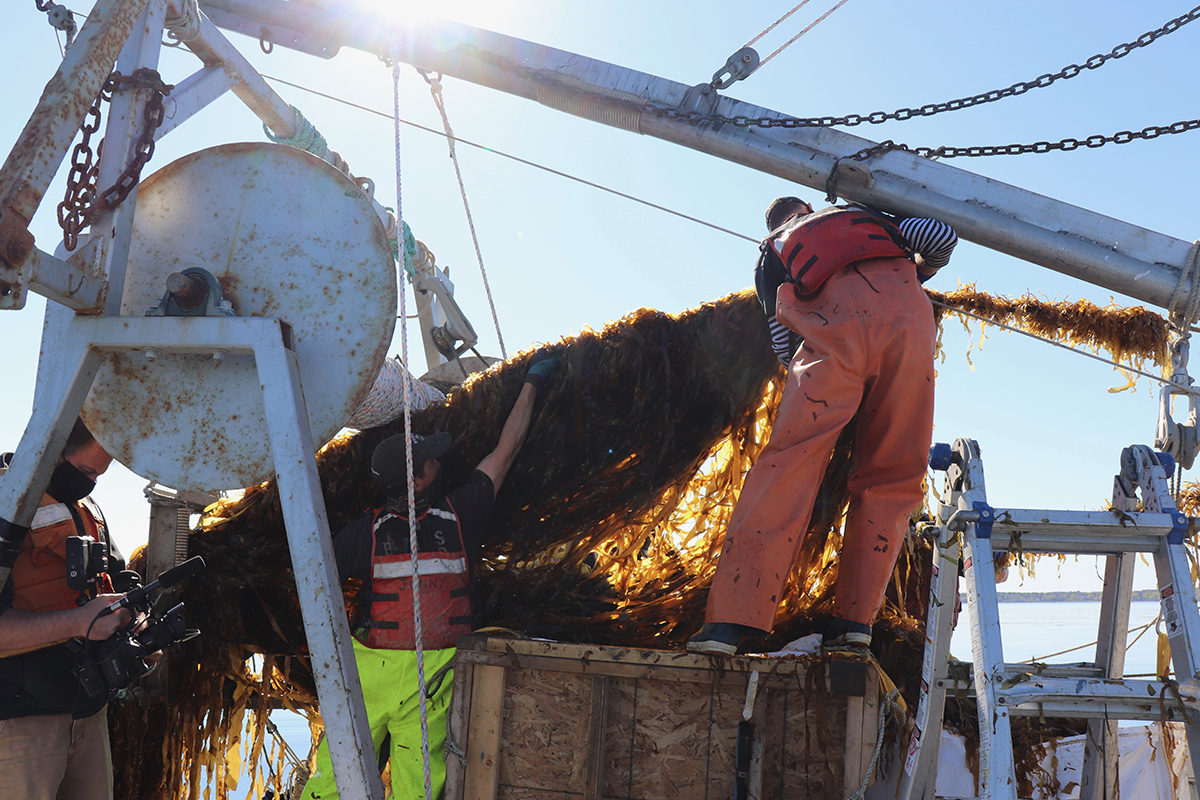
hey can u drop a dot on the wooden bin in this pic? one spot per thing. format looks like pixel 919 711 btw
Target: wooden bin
pixel 538 720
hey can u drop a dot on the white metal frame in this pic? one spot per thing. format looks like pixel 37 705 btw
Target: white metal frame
pixel 268 341
pixel 135 27
pixel 1096 691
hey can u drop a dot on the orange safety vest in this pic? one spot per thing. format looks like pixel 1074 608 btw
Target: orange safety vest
pixel 39 575
pixel 386 621
pixel 815 246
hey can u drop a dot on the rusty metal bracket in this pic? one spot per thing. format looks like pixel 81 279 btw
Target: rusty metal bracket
pixel 16 244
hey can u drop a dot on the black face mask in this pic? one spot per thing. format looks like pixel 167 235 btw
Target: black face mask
pixel 398 503
pixel 68 484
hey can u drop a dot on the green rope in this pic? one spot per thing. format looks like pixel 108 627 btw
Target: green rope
pixel 410 247
pixel 307 137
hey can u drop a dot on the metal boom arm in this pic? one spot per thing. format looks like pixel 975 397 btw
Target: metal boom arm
pixel 1074 241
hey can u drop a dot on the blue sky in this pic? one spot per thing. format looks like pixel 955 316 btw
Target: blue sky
pixel 561 256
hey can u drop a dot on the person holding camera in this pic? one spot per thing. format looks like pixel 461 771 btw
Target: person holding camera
pixel 54 736
pixel 375 550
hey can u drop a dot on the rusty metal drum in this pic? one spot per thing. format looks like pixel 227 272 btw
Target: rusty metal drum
pixel 286 235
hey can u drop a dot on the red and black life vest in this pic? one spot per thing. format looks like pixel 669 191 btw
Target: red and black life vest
pixel 815 246
pixel 39 575
pixel 386 603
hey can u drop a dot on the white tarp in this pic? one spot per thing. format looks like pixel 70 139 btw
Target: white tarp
pixel 1152 766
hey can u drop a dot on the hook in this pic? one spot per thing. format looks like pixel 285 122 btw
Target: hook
pixel 264 40
pixel 831 182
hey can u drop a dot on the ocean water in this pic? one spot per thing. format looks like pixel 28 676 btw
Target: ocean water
pixel 1029 631
pixel 1038 630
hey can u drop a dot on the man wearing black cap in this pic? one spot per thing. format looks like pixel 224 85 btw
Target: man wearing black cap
pixel 375 550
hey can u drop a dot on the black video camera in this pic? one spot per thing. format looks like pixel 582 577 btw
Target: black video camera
pixel 87 560
pixel 119 660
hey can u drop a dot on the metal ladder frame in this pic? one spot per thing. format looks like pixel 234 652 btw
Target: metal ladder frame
pixel 1095 691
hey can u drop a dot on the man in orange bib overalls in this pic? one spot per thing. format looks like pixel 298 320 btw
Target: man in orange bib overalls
pixel 842 292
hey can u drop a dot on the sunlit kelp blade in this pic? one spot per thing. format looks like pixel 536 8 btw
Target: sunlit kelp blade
pixel 1131 335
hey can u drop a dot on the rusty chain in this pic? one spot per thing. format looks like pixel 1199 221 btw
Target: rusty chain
pixel 82 202
pixel 743 121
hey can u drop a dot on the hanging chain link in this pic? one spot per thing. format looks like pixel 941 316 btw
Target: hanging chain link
pixel 82 202
pixel 1066 145
pixel 850 120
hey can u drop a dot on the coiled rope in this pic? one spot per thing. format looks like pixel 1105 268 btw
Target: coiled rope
pixel 185 27
pixel 309 139
pixel 1182 318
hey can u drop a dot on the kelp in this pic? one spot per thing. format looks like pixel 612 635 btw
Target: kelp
pixel 607 529
pixel 1131 335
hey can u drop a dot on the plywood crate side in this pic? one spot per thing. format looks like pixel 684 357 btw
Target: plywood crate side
pixel 598 722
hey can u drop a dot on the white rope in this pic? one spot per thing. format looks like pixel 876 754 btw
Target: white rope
pixel 413 523
pixel 185 27
pixel 792 40
pixel 885 707
pixel 62 19
pixel 774 24
pixel 435 88
pixel 1192 307
pixel 385 403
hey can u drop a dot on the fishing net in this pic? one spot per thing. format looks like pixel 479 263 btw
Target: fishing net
pixel 607 529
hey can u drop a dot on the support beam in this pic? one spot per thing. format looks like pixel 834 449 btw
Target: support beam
pixel 125 127
pixel 192 94
pixel 42 145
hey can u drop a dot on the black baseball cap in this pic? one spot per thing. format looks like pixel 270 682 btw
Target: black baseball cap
pixel 775 211
pixel 387 463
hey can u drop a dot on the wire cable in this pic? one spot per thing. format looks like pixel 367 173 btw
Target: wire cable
pixel 1101 359
pixel 518 159
pixel 706 224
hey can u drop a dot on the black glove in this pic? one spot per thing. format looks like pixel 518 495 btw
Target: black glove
pixel 541 369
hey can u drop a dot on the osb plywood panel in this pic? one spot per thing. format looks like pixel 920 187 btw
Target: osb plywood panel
pixel 545 732
pixel 670 739
pixel 669 728
pixel 680 740
pixel 804 743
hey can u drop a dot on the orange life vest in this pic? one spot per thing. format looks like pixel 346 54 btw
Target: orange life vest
pixel 39 575
pixel 815 246
pixel 386 621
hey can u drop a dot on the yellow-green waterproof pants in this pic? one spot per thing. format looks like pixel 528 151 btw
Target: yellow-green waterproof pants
pixel 389 683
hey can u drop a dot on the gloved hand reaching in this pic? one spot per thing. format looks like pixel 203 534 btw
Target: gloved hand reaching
pixel 541 368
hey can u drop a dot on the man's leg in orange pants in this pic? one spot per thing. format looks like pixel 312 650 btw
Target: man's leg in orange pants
pixel 825 384
pixel 895 423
